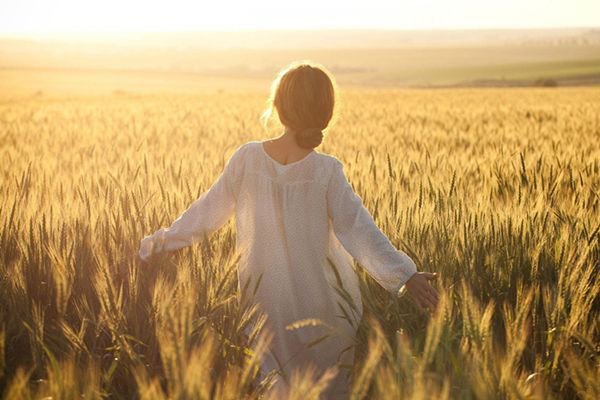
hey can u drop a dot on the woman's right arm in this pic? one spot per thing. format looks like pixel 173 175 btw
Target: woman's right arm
pixel 206 214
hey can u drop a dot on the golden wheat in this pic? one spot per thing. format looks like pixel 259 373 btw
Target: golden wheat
pixel 496 190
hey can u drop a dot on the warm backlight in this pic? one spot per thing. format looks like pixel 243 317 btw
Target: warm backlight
pixel 69 16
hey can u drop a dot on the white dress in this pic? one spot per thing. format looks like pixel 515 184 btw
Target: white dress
pixel 294 223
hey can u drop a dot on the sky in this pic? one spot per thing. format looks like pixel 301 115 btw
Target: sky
pixel 106 16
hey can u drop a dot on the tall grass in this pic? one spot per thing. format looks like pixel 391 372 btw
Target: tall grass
pixel 496 190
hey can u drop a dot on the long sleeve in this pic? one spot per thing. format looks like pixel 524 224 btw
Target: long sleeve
pixel 355 228
pixel 206 214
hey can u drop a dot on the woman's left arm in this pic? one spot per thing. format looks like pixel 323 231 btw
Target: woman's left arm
pixel 355 227
pixel 206 214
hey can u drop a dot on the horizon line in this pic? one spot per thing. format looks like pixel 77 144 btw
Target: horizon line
pixel 315 29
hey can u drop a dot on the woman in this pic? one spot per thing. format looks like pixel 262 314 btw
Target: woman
pixel 299 225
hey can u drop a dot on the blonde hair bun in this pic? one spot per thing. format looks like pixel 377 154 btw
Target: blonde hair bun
pixel 303 94
pixel 309 137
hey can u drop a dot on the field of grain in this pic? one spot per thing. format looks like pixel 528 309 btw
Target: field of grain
pixel 498 190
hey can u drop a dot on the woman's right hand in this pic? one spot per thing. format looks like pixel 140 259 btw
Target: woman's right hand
pixel 153 258
pixel 141 261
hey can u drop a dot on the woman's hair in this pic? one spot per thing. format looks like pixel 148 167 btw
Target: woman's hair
pixel 303 93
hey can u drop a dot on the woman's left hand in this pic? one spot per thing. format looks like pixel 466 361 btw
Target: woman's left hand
pixel 421 291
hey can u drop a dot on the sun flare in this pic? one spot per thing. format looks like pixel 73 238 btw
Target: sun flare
pixel 70 16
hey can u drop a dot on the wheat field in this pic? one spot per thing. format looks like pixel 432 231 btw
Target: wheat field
pixel 497 190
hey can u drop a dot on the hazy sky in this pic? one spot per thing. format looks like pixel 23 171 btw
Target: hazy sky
pixel 56 16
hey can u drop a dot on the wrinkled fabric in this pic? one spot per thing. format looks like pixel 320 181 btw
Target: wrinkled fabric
pixel 298 227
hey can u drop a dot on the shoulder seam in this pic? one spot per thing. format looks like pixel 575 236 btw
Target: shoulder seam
pixel 333 158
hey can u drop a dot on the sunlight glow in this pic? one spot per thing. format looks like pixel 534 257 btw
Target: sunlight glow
pixel 64 16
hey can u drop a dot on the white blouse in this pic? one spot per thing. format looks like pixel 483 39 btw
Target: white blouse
pixel 298 228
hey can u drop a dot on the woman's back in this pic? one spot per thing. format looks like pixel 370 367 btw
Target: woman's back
pixel 283 234
pixel 298 226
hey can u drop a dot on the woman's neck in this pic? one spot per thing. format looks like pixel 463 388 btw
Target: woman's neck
pixel 285 149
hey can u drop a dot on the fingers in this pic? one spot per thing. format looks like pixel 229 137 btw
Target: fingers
pixel 424 303
pixel 426 297
pixel 428 300
pixel 429 291
pixel 421 300
pixel 418 303
pixel 430 276
pixel 433 293
pixel 145 261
